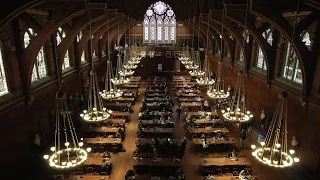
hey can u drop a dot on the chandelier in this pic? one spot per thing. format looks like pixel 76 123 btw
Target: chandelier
pixel 274 150
pixel 135 60
pixel 217 91
pixel 205 79
pixel 110 91
pixel 119 80
pixel 67 151
pixel 124 71
pixel 95 111
pixel 236 111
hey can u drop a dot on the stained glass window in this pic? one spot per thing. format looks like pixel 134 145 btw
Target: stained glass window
pixel 60 35
pixel 261 63
pixel 306 39
pixel 83 58
pixel 268 36
pixel 39 68
pixel 3 81
pixel 159 25
pixel 66 61
pixel 292 70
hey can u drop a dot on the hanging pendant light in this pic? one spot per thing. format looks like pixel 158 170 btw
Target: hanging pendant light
pixel 95 111
pixel 217 91
pixel 237 112
pixel 119 80
pixel 206 78
pixel 111 91
pixel 274 150
pixel 126 56
pixel 67 151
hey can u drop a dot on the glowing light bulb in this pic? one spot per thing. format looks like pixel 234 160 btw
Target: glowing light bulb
pixel 80 144
pixel 296 159
pixel 46 157
pixel 88 149
pixel 253 146
pixel 291 151
pixel 67 144
pixel 52 148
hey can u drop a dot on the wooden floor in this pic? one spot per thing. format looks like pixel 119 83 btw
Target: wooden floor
pixel 123 161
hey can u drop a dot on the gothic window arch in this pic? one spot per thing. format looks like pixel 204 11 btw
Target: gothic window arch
pixel 241 55
pixel 268 36
pixel 305 37
pixel 60 35
pixel 66 61
pixel 292 70
pixel 39 70
pixel 159 25
pixel 261 63
pixel 3 81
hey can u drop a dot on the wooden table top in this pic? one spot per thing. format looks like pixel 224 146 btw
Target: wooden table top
pixel 141 141
pixel 229 177
pixel 199 113
pixel 88 177
pixel 159 130
pixel 158 162
pixel 192 99
pixel 95 160
pixel 223 162
pixel 103 129
pixel 209 130
pixel 192 104
pixel 153 121
pixel 103 140
pixel 198 141
pixel 205 121
pixel 124 99
pixel 119 113
pixel 116 121
pixel 189 95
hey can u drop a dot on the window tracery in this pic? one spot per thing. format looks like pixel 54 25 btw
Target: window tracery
pixel 83 58
pixel 246 35
pixel 159 25
pixel 305 37
pixel 28 36
pixel 79 36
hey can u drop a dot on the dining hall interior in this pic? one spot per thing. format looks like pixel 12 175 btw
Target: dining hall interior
pixel 160 90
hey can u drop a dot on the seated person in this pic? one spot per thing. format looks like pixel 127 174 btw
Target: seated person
pixel 117 135
pixel 104 165
pixel 214 123
pixel 136 154
pixel 203 114
pixel 140 130
pixel 164 113
pixel 106 154
pixel 244 174
pixel 232 154
pixel 203 136
pixel 209 177
pixel 208 117
pixel 206 103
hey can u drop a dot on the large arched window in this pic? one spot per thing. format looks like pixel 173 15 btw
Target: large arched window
pixel 39 68
pixel 159 25
pixel 3 80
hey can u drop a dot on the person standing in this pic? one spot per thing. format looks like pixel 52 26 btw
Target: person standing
pixel 243 137
pixel 178 111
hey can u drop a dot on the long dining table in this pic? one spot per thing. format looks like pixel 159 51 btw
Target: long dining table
pixel 221 161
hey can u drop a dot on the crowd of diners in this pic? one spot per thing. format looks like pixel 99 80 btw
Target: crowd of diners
pixel 209 135
pixel 158 153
